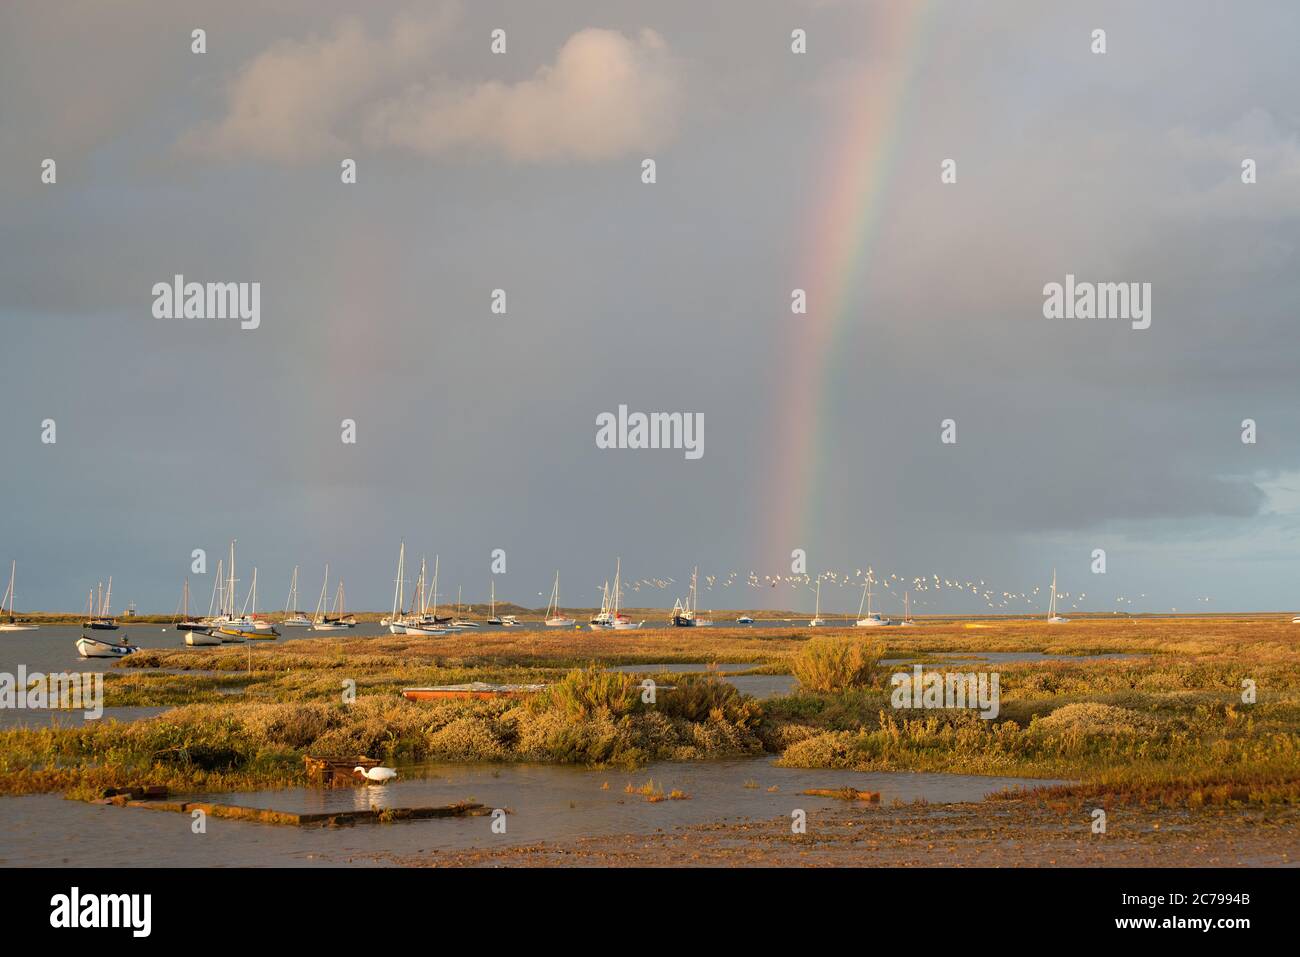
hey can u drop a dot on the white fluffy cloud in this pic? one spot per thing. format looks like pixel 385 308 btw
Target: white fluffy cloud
pixel 300 100
pixel 605 95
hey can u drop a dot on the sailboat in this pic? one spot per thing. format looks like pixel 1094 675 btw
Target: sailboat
pixel 458 621
pixel 197 634
pixel 10 623
pixel 334 618
pixel 296 618
pixel 247 626
pixel 686 614
pixel 817 620
pixel 619 621
pixel 97 617
pixel 872 619
pixel 427 622
pixel 907 611
pixel 603 619
pixel 493 619
pixel 553 617
pixel 1052 617
pixel 397 622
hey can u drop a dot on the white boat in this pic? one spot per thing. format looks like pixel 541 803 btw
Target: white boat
pixel 1052 617
pixel 201 639
pixel 89 647
pixel 509 621
pixel 817 620
pixel 458 621
pixel 744 620
pixel 907 612
pixel 12 624
pixel 603 619
pixel 336 617
pixel 871 619
pixel 686 614
pixel 234 628
pixel 618 620
pixel 397 621
pixel 553 617
pixel 296 619
pixel 493 619
pixel 426 622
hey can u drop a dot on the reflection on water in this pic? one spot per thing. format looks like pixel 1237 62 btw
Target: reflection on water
pixel 544 803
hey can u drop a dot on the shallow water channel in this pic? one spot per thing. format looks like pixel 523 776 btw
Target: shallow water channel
pixel 543 803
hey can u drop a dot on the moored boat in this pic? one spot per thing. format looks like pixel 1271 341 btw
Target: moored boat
pixel 296 618
pixel 200 638
pixel 97 617
pixel 11 623
pixel 817 619
pixel 89 647
pixel 553 617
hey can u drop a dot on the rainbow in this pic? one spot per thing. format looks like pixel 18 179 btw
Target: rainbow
pixel 862 156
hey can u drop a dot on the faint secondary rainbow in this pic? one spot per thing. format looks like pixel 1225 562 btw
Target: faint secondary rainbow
pixel 861 156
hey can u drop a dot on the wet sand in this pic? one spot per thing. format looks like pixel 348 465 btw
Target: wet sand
pixel 1021 832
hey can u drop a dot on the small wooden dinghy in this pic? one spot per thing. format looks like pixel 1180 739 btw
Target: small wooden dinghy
pixel 89 647
pixel 476 689
pixel 201 638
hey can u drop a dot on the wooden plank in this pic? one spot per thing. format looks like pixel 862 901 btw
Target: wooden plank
pixel 258 815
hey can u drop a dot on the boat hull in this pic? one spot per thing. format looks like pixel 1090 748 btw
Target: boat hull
pixel 17 627
pixel 100 624
pixel 201 639
pixel 94 648
pixel 560 622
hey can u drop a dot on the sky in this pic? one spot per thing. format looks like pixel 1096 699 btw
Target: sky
pixel 774 171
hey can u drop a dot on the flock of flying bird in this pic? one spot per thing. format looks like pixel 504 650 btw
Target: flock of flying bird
pixel 919 587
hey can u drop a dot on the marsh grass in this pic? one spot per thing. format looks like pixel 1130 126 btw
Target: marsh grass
pixel 1167 728
pixel 834 664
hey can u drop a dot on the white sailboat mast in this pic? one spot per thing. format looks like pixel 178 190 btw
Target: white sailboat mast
pixel 401 573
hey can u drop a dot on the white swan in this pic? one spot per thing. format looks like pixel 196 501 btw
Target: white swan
pixel 377 775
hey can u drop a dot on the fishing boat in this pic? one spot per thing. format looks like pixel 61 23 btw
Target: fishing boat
pixel 89 647
pixel 473 690
pixel 744 620
pixel 872 619
pixel 509 621
pixel 553 617
pixel 296 619
pixel 97 617
pixel 334 618
pixel 10 623
pixel 686 614
pixel 493 617
pixel 1052 617
pixel 817 620
pixel 907 611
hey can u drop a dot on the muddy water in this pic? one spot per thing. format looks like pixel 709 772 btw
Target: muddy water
pixel 543 803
